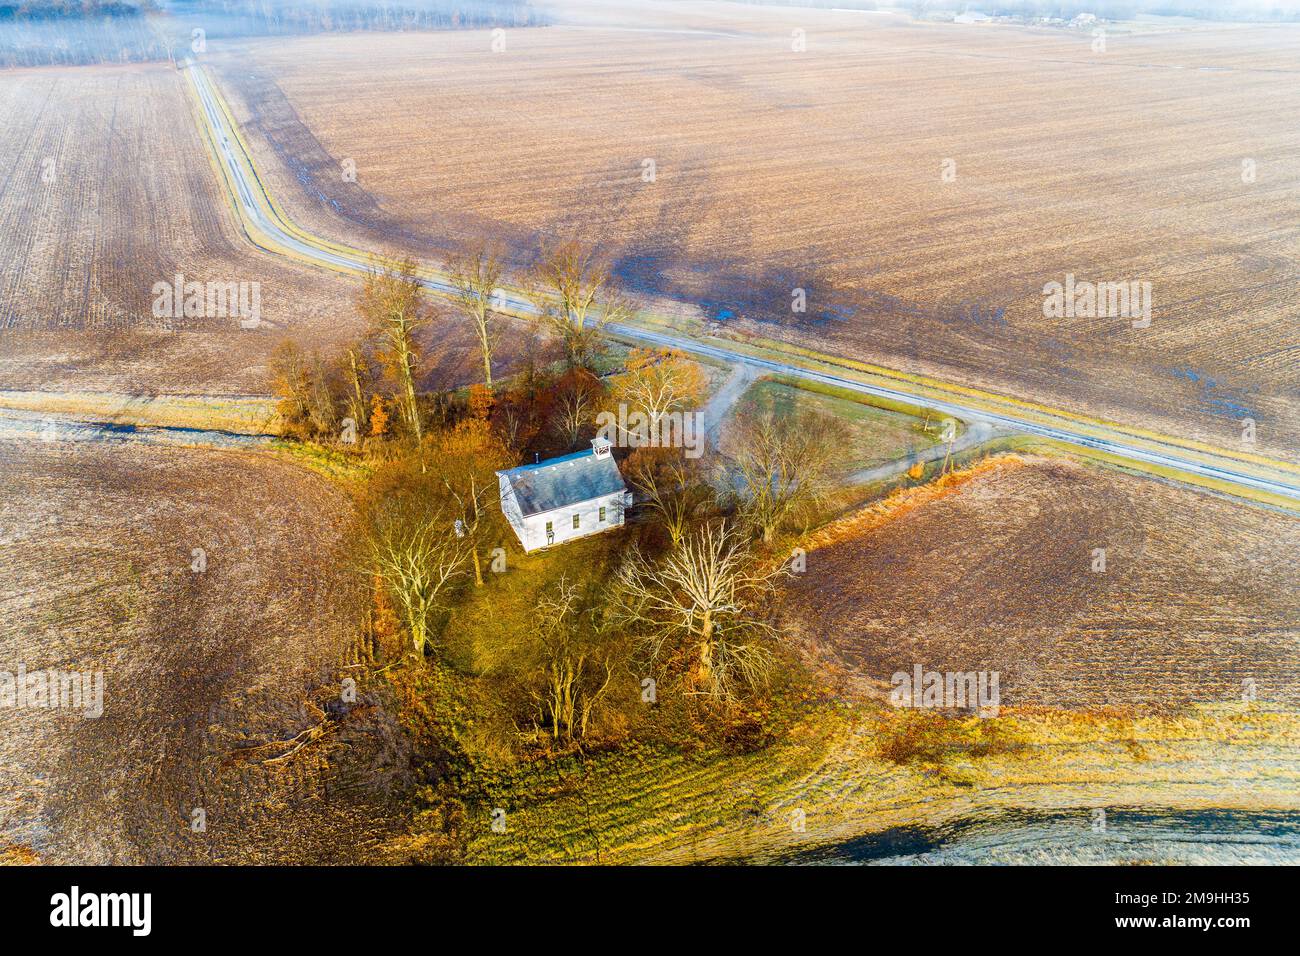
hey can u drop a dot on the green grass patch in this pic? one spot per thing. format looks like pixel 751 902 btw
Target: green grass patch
pixel 876 434
pixel 332 463
pixel 622 805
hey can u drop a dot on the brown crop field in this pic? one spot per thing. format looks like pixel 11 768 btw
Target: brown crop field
pixel 824 170
pixel 206 674
pixel 858 184
pixel 1197 594
pixel 107 189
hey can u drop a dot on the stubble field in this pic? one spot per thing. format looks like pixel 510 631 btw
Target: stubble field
pixel 107 191
pixel 823 170
pixel 107 188
pixel 208 675
pixel 774 170
pixel 1195 596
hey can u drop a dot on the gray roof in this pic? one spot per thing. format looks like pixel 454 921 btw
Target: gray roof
pixel 561 482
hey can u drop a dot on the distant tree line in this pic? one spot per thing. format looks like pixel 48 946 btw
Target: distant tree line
pixel 74 9
pixel 1247 10
pixel 254 17
pixel 70 32
pixel 75 32
pixel 818 4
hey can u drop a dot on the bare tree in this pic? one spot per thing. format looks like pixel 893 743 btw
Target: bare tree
pixel 392 302
pixel 658 382
pixel 787 463
pixel 417 557
pixel 577 665
pixel 463 459
pixel 305 388
pixel 474 503
pixel 291 382
pixel 475 275
pixel 577 396
pixel 673 487
pixel 357 370
pixel 702 600
pixel 575 294
pixel 322 406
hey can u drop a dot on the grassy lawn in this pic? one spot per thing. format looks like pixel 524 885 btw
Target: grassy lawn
pixel 624 800
pixel 507 603
pixel 853 769
pixel 876 435
pixel 627 804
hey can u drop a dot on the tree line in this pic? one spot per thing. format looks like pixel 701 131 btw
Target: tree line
pixel 75 9
pixel 46 32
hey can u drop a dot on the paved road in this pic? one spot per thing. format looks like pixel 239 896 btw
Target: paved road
pixel 267 228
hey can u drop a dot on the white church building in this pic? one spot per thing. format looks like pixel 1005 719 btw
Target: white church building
pixel 563 498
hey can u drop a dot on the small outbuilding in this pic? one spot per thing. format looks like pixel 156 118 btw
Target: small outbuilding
pixel 563 498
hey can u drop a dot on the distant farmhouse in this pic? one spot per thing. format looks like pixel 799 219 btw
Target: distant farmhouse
pixel 564 498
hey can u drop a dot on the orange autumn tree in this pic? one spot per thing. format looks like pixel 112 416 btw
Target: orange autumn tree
pixel 378 417
pixel 479 402
pixel 464 460
pixel 656 382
